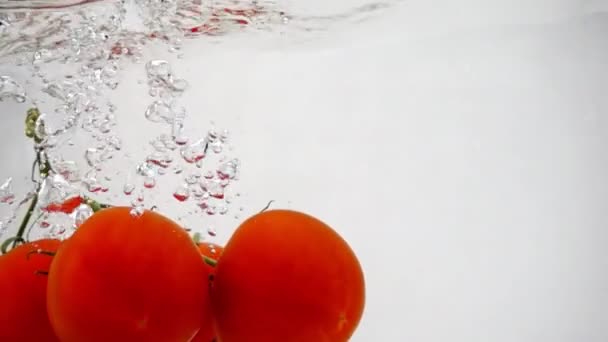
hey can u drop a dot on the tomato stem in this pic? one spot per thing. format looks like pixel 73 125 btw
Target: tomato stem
pixel 96 206
pixel 209 261
pixel 197 238
pixel 4 248
pixel 26 219
pixel 44 169
pixel 267 206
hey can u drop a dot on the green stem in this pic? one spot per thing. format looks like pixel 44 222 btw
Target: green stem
pixel 209 261
pixel 267 206
pixel 96 206
pixel 26 219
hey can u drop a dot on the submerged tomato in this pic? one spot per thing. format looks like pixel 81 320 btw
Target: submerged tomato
pixel 286 276
pixel 127 278
pixel 23 285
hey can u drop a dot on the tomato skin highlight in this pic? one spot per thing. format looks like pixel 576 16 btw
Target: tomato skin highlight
pixel 23 314
pixel 286 276
pixel 207 332
pixel 126 278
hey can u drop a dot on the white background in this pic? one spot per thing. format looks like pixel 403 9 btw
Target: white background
pixel 459 147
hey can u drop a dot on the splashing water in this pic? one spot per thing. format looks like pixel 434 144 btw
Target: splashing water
pixel 10 89
pixel 6 192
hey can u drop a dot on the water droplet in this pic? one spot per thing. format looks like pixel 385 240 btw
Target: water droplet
pixel 159 111
pixel 114 142
pixel 225 135
pixel 212 135
pixel 217 146
pixel 177 129
pixel 140 196
pixel 10 89
pixel 178 85
pixel 128 189
pixel 211 231
pixel 137 210
pixel 211 210
pixel 213 187
pixel 149 182
pixel 93 185
pixel 67 169
pixel 209 175
pixel 177 170
pixel 197 191
pixel 55 90
pixel 93 156
pixel 145 169
pixel 228 170
pixel 55 189
pixel 158 145
pixel 192 178
pixel 194 152
pixel 168 142
pixel 181 140
pixel 81 214
pixel 6 192
pixel 158 69
pixel 160 159
pixel 105 127
pixel 182 193
pixel 223 210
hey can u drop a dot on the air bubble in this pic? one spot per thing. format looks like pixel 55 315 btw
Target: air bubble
pixel 160 159
pixel 194 152
pixel 192 178
pixel 81 214
pixel 228 170
pixel 10 89
pixel 159 111
pixel 6 192
pixel 182 193
pixel 128 188
pixel 149 182
pixel 158 69
pixel 93 156
pixel 145 169
pixel 114 142
pixel 137 211
pixel 213 187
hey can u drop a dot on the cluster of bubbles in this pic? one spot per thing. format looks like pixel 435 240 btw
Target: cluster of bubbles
pixel 203 179
pixel 76 58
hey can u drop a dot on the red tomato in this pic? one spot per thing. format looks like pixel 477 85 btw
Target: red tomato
pixel 23 293
pixel 127 278
pixel 207 332
pixel 67 207
pixel 286 276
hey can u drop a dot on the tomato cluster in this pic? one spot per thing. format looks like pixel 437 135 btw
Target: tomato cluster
pixel 283 276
